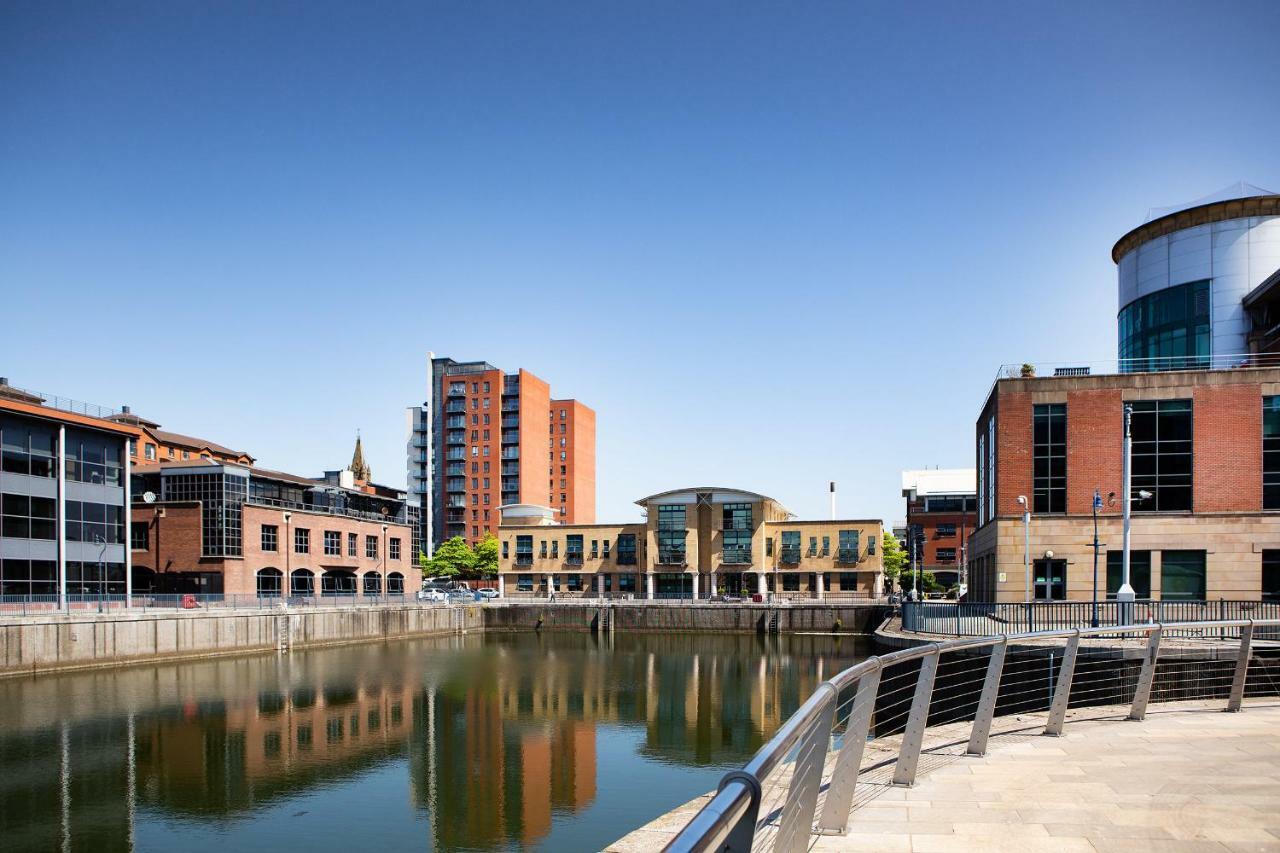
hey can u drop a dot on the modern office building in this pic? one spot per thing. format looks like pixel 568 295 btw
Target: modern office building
pixel 1186 275
pixel 63 487
pixel 477 444
pixel 213 527
pixel 696 542
pixel 942 506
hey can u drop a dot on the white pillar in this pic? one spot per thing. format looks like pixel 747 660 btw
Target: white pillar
pixel 760 583
pixel 550 585
pixel 128 529
pixel 600 586
pixel 62 517
pixel 820 581
pixel 502 585
pixel 711 584
pixel 648 585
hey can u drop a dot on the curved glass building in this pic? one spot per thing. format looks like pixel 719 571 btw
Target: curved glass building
pixel 1183 276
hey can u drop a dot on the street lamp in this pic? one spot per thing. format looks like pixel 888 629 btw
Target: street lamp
pixel 1097 505
pixel 1026 545
pixel 385 590
pixel 1125 596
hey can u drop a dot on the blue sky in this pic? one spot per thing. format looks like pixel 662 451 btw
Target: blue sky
pixel 772 244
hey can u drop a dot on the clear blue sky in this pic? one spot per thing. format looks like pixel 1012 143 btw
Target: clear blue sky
pixel 771 244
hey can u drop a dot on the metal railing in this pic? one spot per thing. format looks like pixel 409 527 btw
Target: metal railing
pixel 400 516
pixel 736 556
pixel 802 782
pixel 977 619
pixel 45 605
pixel 62 404
pixel 1152 364
pixel 671 556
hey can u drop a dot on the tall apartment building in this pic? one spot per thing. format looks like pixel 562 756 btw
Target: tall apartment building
pixel 942 506
pixel 477 445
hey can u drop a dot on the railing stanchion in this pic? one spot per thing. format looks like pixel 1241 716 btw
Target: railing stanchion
pixel 987 702
pixel 1062 690
pixel 904 773
pixel 1242 668
pixel 1140 697
pixel 844 778
pixel 796 822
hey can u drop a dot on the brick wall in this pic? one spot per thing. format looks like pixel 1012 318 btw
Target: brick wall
pixel 1227 425
pixel 1013 452
pixel 1095 449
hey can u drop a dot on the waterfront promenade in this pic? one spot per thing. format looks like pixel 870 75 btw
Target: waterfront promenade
pixel 1189 778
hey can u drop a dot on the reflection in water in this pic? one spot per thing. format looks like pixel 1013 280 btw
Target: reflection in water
pixel 492 742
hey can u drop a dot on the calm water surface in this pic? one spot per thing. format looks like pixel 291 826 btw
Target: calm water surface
pixel 550 741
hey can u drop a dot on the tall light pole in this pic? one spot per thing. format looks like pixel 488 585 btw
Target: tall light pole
pixel 1125 595
pixel 1026 545
pixel 1097 505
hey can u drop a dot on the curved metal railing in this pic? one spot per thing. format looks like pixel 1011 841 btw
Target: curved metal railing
pixel 904 692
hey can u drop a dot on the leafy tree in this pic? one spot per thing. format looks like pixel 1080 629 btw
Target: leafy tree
pixel 486 556
pixel 454 557
pixel 894 558
pixel 928 581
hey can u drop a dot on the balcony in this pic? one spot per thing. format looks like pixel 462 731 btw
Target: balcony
pixel 789 554
pixel 420 441
pixel 671 557
pixel 524 559
pixel 456 453
pixel 736 556
pixel 457 468
pixel 455 406
pixel 457 437
pixel 573 558
pixel 510 405
pixel 511 468
pixel 847 555
pixel 510 436
pixel 456 421
pixel 509 422
pixel 457 389
pixel 737 524
pixel 511 453
pixel 456 502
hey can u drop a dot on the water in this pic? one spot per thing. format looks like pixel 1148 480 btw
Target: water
pixel 557 742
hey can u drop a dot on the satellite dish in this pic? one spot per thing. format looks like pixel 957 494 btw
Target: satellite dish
pixel 149 497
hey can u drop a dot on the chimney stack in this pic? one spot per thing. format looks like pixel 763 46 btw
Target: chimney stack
pixel 833 500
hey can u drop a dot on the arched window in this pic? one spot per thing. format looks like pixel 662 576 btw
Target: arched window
pixel 269 581
pixel 395 584
pixel 372 583
pixel 338 582
pixel 302 582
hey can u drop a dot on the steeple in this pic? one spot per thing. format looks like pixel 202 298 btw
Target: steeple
pixel 359 468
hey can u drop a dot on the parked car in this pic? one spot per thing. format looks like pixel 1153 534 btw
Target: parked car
pixel 461 594
pixel 432 594
pixel 487 593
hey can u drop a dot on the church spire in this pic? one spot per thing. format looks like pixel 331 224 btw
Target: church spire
pixel 359 468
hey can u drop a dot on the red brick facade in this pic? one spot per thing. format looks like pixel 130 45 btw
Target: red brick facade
pixel 1227 424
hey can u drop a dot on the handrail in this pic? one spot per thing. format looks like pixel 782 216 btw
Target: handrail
pixel 731 819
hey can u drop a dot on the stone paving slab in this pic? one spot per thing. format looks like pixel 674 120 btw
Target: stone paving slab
pixel 1189 778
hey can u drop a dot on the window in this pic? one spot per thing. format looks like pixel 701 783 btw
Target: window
pixel 1182 576
pixel 1162 448
pixel 1049 458
pixel 595 548
pixel 35 577
pixel 1167 330
pixel 871 544
pixel 394 548
pixel 813 546
pixel 1050 578
pixel 573 548
pixel 626 583
pixel 150 452
pixel 1139 572
pixel 524 583
pixel 372 583
pixel 946 531
pixel 826 546
pixel 395 584
pixel 332 543
pixel 301 582
pixel 338 583
pixel 1271 575
pixel 301 540
pixel 671 534
pixel 524 550
pixel 626 555
pixel 1271 452
pixel 505 549
pixel 848 581
pixel 575 583
pixel 790 546
pixel 946 555
pixel 790 583
pixel 270 537
pixel 562 414
pixel 371 547
pixel 139 536
pixel 555 548
pixel 606 549
pixel 269 583
pixel 542 549
pixel 85 521
pixel 352 539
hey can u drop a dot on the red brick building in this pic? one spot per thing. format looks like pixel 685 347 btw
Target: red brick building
pixel 1206 446
pixel 941 514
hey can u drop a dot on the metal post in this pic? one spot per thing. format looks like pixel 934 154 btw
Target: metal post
pixel 62 517
pixel 1242 668
pixel 1026 549
pixel 1125 596
pixel 1062 691
pixel 1097 504
pixel 904 773
pixel 802 794
pixel 128 529
pixel 1139 709
pixel 987 702
pixel 844 777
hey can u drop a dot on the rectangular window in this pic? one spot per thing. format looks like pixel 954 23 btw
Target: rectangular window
pixel 1139 572
pixel 848 545
pixel 1271 575
pixel 575 583
pixel 371 547
pixel 1049 457
pixel 1182 575
pixel 946 531
pixel 790 546
pixel 790 583
pixel 352 539
pixel 595 548
pixel 394 548
pixel 946 555
pixel 542 549
pixel 671 534
pixel 139 536
pixel 301 540
pixel 524 583
pixel 1271 452
pixel 505 549
pixel 270 537
pixel 1050 578
pixel 555 549
pixel 826 546
pixel 813 546
pixel 332 543
pixel 626 549
pixel 1162 452
pixel 768 546
pixel 848 581
pixel 626 583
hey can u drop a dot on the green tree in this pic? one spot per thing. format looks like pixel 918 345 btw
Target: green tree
pixel 928 581
pixel 895 558
pixel 454 557
pixel 486 556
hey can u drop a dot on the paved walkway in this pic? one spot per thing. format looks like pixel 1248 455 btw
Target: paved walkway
pixel 1189 778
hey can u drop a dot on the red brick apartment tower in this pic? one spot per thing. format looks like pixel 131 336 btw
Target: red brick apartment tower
pixel 487 431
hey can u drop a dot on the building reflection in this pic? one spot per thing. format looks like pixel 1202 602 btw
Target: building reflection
pixel 499 734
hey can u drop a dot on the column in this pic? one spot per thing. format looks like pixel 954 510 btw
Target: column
pixel 600 586
pixel 128 530
pixel 502 585
pixel 760 584
pixel 820 581
pixel 62 517
pixel 550 585
pixel 648 585
pixel 711 586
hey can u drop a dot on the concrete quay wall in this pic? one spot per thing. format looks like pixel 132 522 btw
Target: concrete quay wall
pixel 811 617
pixel 34 644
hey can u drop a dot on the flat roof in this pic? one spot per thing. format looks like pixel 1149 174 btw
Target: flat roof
pixel 930 482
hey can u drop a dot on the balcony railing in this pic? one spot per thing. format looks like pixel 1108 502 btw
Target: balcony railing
pixel 737 524
pixel 398 517
pixel 456 453
pixel 511 453
pixel 847 555
pixel 736 556
pixel 510 436
pixel 455 406
pixel 510 423
pixel 420 441
pixel 457 389
pixel 456 438
pixel 789 554
pixel 671 556
pixel 510 405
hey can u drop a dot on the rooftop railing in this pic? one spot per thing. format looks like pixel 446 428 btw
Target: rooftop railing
pixel 53 401
pixel 802 782
pixel 400 516
pixel 1154 364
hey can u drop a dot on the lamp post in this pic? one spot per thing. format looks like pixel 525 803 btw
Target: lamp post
pixel 1125 596
pixel 287 545
pixel 1026 545
pixel 386 592
pixel 1097 505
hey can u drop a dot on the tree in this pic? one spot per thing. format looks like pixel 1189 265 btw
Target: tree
pixel 454 557
pixel 895 558
pixel 486 556
pixel 928 581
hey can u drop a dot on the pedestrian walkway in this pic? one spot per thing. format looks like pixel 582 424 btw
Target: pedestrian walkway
pixel 1189 778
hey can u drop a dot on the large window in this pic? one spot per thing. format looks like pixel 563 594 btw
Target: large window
pixel 85 522
pixel 1182 575
pixel 29 448
pixel 1049 457
pixel 848 546
pixel 302 582
pixel 524 550
pixel 1139 572
pixel 32 518
pixel 270 537
pixel 790 547
pixel 1271 452
pixel 301 540
pixel 1050 580
pixel 1271 575
pixel 28 577
pixel 626 553
pixel 1167 330
pixel 269 582
pixel 1162 448
pixel 332 543
pixel 671 534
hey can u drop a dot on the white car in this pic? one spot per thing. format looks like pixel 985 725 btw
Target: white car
pixel 432 595
pixel 461 595
pixel 487 593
